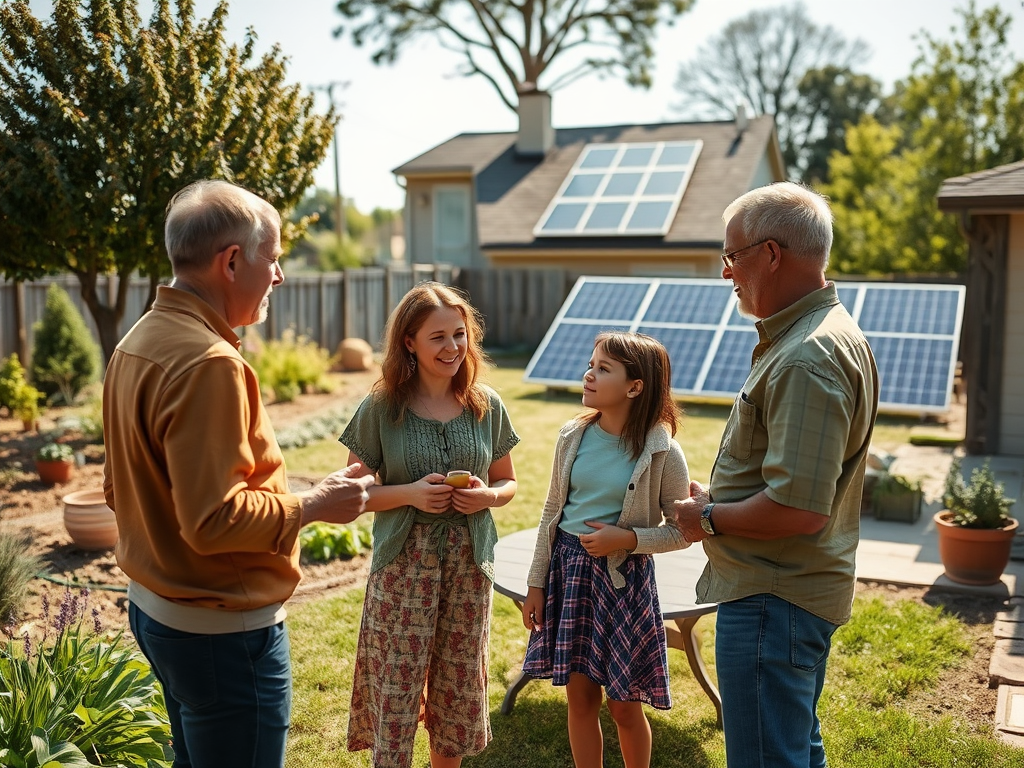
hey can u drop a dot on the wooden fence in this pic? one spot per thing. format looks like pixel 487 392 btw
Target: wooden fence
pixel 518 305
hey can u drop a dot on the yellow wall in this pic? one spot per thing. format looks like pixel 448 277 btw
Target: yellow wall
pixel 1011 439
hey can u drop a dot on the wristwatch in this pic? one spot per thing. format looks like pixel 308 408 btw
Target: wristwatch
pixel 705 520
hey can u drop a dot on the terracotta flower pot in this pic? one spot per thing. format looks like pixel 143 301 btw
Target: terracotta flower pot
pixel 976 556
pixel 54 472
pixel 89 520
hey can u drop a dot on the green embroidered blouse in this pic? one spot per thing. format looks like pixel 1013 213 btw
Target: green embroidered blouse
pixel 405 452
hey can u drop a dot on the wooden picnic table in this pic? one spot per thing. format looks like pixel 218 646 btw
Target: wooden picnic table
pixel 676 574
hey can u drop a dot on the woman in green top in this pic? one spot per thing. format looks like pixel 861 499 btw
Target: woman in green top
pixel 422 650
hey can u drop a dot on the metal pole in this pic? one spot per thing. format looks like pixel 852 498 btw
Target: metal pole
pixel 340 225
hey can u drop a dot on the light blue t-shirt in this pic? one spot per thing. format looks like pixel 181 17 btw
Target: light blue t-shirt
pixel 597 483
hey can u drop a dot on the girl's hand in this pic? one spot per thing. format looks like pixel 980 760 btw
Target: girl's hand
pixel 431 495
pixel 533 609
pixel 607 539
pixel 474 498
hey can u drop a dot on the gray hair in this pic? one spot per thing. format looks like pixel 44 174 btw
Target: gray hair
pixel 207 216
pixel 795 216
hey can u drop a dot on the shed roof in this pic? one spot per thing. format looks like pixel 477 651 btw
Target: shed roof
pixel 995 188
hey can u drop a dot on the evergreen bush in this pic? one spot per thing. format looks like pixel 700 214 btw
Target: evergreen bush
pixel 65 358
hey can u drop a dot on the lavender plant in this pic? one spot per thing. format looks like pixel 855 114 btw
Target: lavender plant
pixel 78 697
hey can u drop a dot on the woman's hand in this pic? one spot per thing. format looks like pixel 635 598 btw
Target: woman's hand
pixel 607 539
pixel 533 609
pixel 473 498
pixel 431 495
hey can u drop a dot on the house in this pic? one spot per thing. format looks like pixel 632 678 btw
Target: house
pixel 990 205
pixel 615 200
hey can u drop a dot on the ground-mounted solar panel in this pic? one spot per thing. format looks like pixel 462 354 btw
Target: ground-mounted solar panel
pixel 913 329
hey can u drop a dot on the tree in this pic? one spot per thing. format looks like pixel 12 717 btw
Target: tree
pixel 102 119
pixel 513 43
pixel 960 110
pixel 778 62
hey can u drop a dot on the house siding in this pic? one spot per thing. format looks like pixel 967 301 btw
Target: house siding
pixel 1011 440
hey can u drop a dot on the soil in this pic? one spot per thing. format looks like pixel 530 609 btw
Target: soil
pixel 29 507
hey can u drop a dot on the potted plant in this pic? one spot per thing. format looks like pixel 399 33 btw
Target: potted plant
pixel 55 462
pixel 975 530
pixel 895 497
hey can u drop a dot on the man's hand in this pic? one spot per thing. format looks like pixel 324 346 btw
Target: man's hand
pixel 688 512
pixel 339 498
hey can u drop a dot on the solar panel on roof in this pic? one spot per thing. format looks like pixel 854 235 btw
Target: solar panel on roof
pixel 913 329
pixel 621 189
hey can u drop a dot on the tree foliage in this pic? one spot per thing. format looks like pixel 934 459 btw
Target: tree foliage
pixel 103 118
pixel 510 44
pixel 960 110
pixel 778 62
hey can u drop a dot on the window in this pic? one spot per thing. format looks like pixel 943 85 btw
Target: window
pixel 452 237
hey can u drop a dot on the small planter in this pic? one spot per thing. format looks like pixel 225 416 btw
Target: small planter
pixel 975 556
pixel 89 520
pixel 55 472
pixel 901 507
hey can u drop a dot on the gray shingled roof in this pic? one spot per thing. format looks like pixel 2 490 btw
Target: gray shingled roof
pixel 512 191
pixel 1000 187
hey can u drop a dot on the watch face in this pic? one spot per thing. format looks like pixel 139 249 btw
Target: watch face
pixel 706 525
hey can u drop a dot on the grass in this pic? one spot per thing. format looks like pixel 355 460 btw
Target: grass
pixel 886 659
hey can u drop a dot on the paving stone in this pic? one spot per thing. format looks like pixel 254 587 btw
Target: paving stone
pixel 1011 630
pixel 1006 666
pixel 1010 714
pixel 1014 610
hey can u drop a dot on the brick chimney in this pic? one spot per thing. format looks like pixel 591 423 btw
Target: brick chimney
pixel 536 135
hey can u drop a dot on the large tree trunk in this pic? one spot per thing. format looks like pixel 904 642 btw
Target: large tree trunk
pixel 106 317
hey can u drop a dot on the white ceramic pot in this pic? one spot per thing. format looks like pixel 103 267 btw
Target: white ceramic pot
pixel 89 520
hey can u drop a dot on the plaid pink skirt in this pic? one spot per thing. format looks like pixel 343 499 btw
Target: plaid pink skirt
pixel 614 637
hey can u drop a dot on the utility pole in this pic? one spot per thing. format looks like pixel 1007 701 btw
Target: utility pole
pixel 339 202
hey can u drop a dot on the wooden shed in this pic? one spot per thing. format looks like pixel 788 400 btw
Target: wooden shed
pixel 990 206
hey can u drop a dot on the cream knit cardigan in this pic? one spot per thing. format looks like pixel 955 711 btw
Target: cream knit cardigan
pixel 659 478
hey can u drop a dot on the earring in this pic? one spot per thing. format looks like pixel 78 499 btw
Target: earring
pixel 412 362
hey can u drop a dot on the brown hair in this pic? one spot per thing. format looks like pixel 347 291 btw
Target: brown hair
pixel 644 358
pixel 397 382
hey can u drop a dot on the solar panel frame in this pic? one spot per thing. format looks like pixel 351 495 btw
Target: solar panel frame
pixel 914 330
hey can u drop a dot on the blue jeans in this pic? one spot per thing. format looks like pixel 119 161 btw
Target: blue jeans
pixel 770 656
pixel 228 696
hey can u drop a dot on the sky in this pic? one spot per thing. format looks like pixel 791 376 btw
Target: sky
pixel 391 114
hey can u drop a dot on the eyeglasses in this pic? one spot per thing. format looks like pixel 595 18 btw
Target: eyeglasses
pixel 729 258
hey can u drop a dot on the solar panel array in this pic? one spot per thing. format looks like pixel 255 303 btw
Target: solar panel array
pixel 913 329
pixel 621 189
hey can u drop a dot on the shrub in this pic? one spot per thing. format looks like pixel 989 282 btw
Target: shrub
pixel 17 568
pixel 64 356
pixel 326 541
pixel 26 403
pixel 287 366
pixel 12 378
pixel 83 700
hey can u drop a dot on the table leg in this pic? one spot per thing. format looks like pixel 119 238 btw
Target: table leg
pixel 686 639
pixel 513 690
pixel 517 685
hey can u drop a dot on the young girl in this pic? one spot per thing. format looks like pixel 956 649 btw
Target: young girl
pixel 422 650
pixel 592 602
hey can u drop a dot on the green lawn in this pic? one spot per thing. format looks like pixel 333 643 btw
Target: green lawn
pixel 884 662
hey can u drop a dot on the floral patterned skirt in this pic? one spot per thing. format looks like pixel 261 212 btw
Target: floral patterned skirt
pixel 422 652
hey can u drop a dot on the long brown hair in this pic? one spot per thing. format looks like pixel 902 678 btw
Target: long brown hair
pixel 397 382
pixel 644 358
